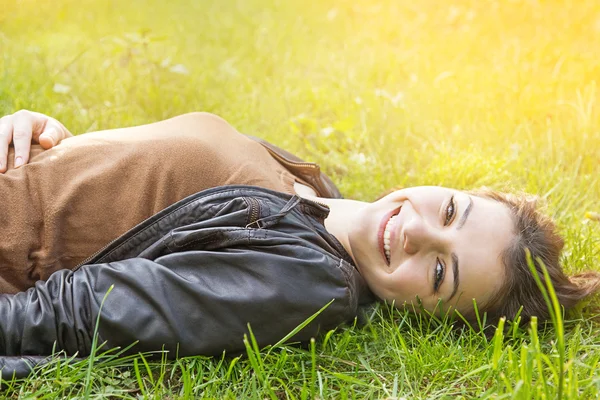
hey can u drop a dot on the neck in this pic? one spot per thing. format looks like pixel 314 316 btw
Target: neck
pixel 340 217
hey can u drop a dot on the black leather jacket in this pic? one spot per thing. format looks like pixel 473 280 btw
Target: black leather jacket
pixel 189 280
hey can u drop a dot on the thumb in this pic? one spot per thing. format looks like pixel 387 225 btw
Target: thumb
pixel 49 138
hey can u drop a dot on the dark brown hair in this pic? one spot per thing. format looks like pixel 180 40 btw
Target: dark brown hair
pixel 536 232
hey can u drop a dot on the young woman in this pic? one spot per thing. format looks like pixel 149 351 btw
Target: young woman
pixel 200 231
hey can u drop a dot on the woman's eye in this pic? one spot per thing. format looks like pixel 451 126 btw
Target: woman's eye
pixel 450 210
pixel 440 269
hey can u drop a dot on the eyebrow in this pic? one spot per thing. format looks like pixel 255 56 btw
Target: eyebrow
pixel 465 215
pixel 461 223
pixel 455 273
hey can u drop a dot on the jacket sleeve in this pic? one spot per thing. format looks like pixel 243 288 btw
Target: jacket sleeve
pixel 188 303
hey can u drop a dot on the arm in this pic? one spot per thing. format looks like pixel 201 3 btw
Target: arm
pixel 24 127
pixel 174 303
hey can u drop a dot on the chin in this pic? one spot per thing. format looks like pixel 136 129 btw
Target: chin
pixel 384 294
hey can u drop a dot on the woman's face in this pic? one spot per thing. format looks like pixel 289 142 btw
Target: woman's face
pixel 432 243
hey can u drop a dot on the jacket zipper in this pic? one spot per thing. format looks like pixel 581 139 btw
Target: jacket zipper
pixel 254 211
pixel 290 162
pixel 90 258
pixel 95 254
pixel 254 214
pixel 318 202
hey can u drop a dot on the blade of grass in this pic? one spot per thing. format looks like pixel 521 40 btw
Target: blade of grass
pixel 91 358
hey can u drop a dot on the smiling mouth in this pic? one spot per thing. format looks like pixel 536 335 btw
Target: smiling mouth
pixel 386 235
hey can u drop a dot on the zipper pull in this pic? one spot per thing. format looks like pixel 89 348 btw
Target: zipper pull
pixel 271 220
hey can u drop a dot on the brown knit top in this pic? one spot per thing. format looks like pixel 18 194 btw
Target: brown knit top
pixel 73 199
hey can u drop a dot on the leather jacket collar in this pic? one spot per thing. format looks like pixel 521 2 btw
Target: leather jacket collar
pixel 310 172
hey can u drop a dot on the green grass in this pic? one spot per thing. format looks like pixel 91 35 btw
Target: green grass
pixel 380 93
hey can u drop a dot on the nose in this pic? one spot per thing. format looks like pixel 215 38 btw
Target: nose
pixel 418 235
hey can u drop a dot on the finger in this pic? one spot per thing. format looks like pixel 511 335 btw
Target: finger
pixel 5 138
pixel 21 135
pixel 47 131
pixel 39 124
pixel 53 133
pixel 50 137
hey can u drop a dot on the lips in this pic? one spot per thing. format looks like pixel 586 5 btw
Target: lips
pixel 380 232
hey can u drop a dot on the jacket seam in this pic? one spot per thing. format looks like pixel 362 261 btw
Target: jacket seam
pixel 205 239
pixel 349 286
pixel 128 240
pixel 219 193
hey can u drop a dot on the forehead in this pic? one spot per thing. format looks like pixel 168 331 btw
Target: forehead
pixel 480 243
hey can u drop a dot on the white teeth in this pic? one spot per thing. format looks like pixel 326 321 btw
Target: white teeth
pixel 386 239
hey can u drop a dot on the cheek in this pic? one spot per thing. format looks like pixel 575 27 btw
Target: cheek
pixel 406 282
pixel 363 238
pixel 356 229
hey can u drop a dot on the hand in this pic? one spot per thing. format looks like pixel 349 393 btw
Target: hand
pixel 24 127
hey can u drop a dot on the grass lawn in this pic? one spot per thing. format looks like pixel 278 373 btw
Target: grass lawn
pixel 382 93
